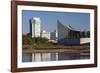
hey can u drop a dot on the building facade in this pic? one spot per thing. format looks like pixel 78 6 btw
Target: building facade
pixel 69 35
pixel 45 34
pixel 35 26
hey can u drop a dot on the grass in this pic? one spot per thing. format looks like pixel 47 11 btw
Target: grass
pixel 51 45
pixel 47 45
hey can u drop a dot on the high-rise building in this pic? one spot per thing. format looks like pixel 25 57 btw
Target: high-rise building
pixel 35 27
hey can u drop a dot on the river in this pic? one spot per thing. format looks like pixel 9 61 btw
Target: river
pixel 57 56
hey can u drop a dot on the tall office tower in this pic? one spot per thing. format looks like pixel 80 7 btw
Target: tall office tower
pixel 35 27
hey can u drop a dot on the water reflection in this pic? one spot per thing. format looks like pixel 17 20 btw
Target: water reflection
pixel 37 57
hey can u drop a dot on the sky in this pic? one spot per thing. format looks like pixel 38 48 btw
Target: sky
pixel 79 21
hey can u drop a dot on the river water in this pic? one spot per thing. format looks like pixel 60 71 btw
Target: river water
pixel 38 57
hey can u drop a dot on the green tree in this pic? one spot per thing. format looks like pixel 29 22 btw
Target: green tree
pixel 38 40
pixel 27 40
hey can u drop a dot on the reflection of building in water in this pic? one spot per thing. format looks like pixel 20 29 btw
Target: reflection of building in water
pixel 54 56
pixel 35 27
pixel 63 35
pixel 68 35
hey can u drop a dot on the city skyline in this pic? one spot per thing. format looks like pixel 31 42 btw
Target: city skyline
pixel 79 21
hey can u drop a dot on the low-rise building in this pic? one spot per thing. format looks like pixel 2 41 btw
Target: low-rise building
pixel 45 34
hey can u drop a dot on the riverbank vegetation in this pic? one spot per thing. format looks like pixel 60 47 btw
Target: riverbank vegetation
pixel 39 42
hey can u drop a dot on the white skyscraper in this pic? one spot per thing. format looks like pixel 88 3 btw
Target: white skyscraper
pixel 35 27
